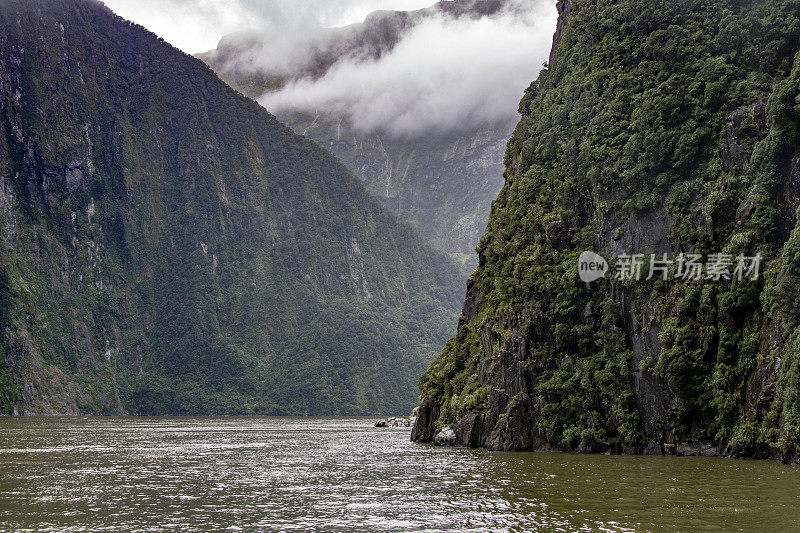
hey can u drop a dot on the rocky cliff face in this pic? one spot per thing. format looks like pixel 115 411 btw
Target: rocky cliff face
pixel 440 182
pixel 667 128
pixel 168 247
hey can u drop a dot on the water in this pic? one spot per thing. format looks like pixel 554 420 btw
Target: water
pixel 289 474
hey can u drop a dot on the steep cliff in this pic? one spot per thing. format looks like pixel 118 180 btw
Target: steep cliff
pixel 169 247
pixel 658 128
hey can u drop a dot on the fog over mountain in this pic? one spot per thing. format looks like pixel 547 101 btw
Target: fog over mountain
pixel 445 74
pixel 446 68
pixel 197 25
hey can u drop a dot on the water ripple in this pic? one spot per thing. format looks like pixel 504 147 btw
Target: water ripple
pixel 324 474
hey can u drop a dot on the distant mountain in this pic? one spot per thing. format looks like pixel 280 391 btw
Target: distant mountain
pixel 442 182
pixel 169 247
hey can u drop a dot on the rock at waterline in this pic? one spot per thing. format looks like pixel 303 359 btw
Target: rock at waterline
pixel 394 422
pixel 445 437
pixel 402 422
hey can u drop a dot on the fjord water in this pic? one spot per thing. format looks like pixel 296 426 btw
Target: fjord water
pixel 300 474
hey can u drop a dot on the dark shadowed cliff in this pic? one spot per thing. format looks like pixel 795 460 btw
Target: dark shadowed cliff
pixel 169 247
pixel 658 128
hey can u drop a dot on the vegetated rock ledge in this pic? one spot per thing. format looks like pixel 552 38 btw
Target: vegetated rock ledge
pixel 470 431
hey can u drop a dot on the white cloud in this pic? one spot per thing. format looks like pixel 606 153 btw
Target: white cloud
pixel 445 73
pixel 190 25
pixel 330 13
pixel 197 25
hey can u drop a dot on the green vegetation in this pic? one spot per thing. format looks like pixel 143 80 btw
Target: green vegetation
pixel 685 110
pixel 9 389
pixel 172 249
pixel 441 182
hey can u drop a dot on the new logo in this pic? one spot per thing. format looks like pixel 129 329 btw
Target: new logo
pixel 591 267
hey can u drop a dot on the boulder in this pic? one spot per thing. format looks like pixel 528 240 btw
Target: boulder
pixel 394 422
pixel 423 428
pixel 445 437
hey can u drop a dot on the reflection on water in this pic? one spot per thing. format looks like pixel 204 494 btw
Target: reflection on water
pixel 287 474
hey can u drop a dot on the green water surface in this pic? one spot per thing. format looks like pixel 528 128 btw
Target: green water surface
pixel 341 474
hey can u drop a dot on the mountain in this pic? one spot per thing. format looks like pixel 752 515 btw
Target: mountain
pixel 658 128
pixel 169 247
pixel 442 182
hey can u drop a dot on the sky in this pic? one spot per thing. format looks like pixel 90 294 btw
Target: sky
pixel 197 25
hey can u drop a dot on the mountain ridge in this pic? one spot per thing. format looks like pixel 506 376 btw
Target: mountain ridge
pixel 169 247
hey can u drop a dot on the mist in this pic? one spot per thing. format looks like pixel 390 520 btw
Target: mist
pixel 445 74
pixel 197 25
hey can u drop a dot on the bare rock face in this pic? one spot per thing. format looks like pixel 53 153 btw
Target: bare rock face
pixel 445 437
pixel 555 232
pixel 468 430
pixel 653 398
pixel 513 430
pixel 424 426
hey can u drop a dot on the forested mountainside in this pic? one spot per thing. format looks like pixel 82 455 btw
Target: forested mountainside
pixel 442 182
pixel 658 128
pixel 168 247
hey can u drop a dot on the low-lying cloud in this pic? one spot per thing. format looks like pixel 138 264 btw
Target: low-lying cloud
pixel 445 74
pixel 197 25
